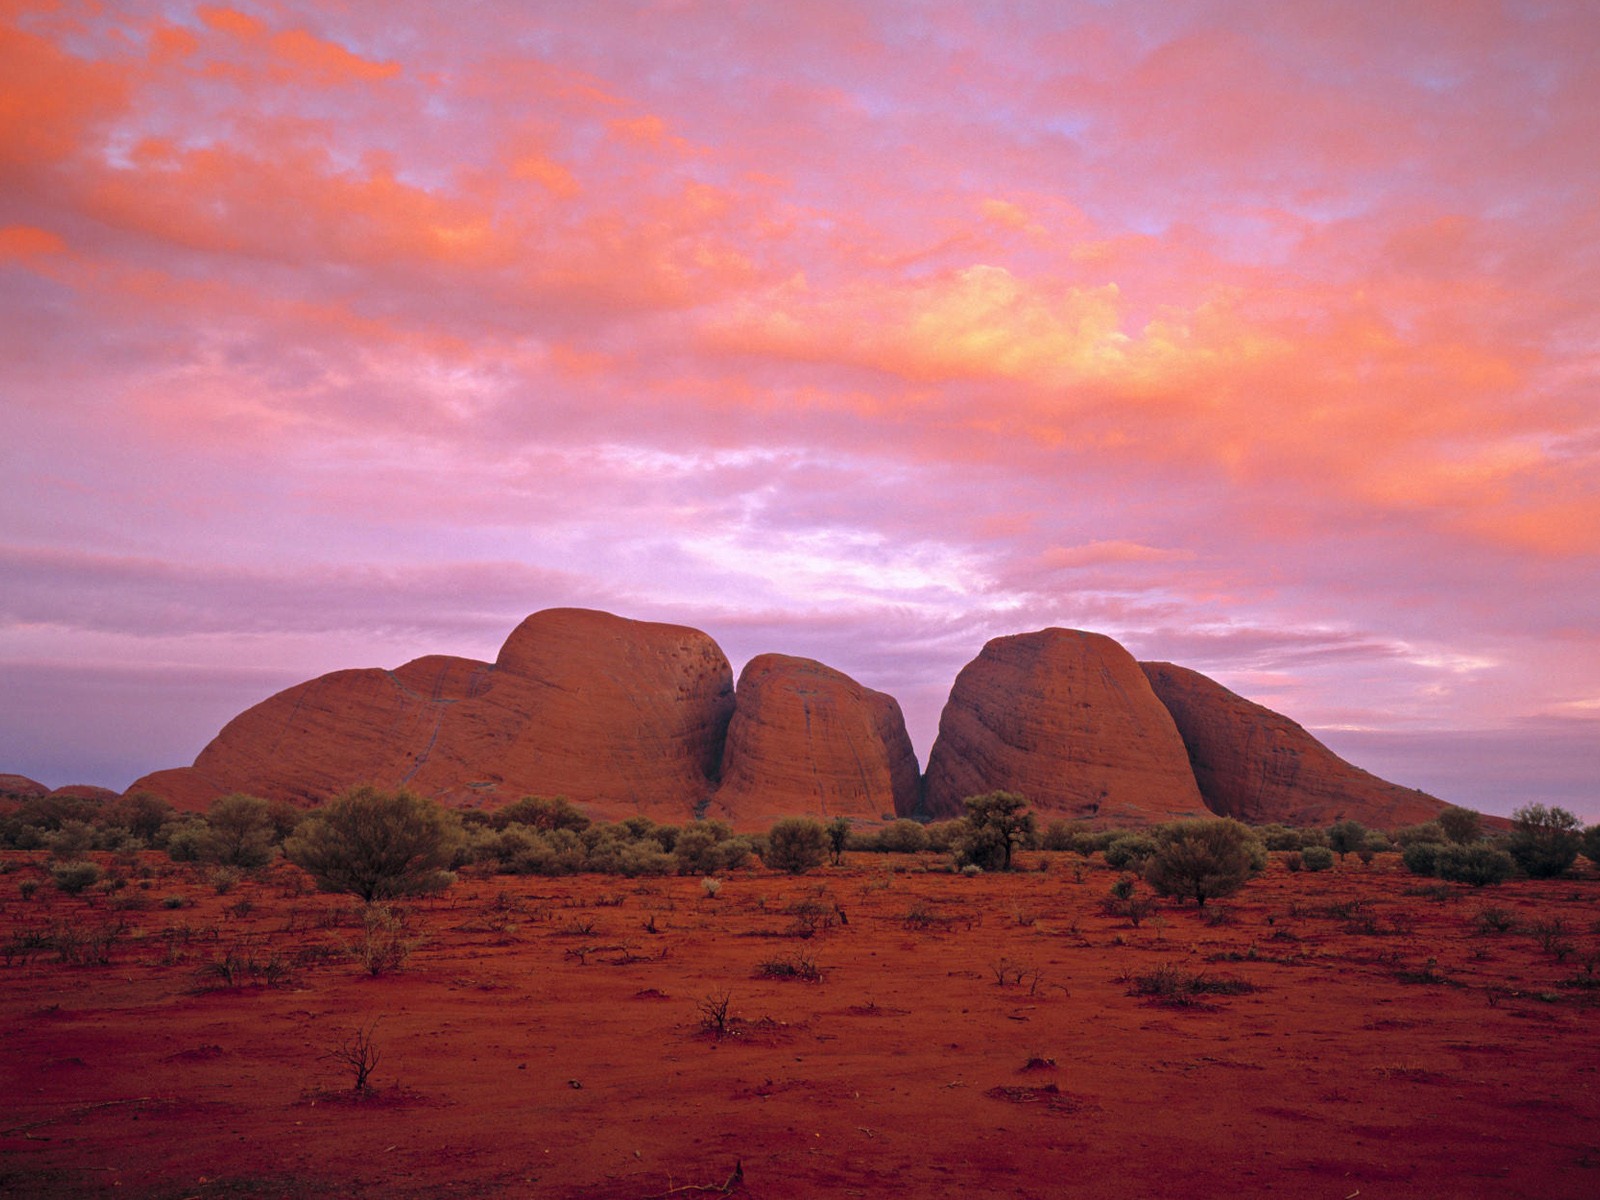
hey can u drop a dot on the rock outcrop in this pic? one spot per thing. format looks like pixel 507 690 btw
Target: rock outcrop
pixel 20 787
pixel 1068 720
pixel 1259 766
pixel 806 738
pixel 620 716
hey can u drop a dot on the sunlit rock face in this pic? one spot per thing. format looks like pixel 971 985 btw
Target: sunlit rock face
pixel 1068 720
pixel 1259 766
pixel 620 716
pixel 806 738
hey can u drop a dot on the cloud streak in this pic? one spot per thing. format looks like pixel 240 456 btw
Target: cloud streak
pixel 1259 336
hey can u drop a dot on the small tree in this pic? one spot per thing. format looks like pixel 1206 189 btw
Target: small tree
pixel 1346 836
pixel 997 824
pixel 1544 841
pixel 796 844
pixel 1477 864
pixel 377 845
pixel 1461 825
pixel 838 839
pixel 1203 859
pixel 239 832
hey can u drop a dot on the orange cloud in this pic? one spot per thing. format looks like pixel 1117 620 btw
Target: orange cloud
pixel 27 241
pixel 49 99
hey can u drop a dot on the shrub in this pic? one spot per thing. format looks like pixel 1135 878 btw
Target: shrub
pixel 1346 836
pixel 1428 831
pixel 1172 985
pixel 903 837
pixel 239 833
pixel 1544 841
pixel 1421 858
pixel 1292 861
pixel 1130 851
pixel 943 835
pixel 1280 837
pixel 1477 864
pixel 377 845
pixel 1461 825
pixel 1591 844
pixel 1316 858
pixel 75 877
pixel 838 839
pixel 707 847
pixel 541 812
pixel 1068 835
pixel 1203 859
pixel 997 823
pixel 796 844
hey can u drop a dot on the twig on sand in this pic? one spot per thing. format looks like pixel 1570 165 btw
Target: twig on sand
pixel 734 1183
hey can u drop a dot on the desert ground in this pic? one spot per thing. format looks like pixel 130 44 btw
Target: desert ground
pixel 595 1036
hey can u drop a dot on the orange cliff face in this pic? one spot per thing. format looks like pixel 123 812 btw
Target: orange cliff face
pixel 806 738
pixel 620 716
pixel 631 717
pixel 1066 719
pixel 1260 767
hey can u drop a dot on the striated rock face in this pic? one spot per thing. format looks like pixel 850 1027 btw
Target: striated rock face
pixel 1067 719
pixel 620 716
pixel 1258 766
pixel 806 738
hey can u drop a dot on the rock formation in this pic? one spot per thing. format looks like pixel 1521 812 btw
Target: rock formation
pixel 626 717
pixel 1259 766
pixel 1068 720
pixel 806 738
pixel 620 716
pixel 20 787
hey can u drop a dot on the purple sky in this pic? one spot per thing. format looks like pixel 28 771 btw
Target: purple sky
pixel 1262 337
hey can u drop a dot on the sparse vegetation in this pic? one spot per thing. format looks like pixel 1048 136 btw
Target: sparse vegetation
pixel 1202 860
pixel 996 825
pixel 377 845
pixel 796 845
pixel 1544 840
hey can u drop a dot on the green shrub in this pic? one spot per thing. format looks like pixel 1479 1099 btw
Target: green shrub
pixel 1461 825
pixel 75 877
pixel 1544 841
pixel 997 824
pixel 1477 864
pixel 1203 859
pixel 1130 851
pixel 239 832
pixel 902 837
pixel 1280 837
pixel 1316 858
pixel 1346 836
pixel 1428 831
pixel 796 845
pixel 1068 835
pixel 707 847
pixel 377 845
pixel 1421 858
pixel 547 813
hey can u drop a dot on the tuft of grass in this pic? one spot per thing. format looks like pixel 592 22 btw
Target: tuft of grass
pixel 1172 985
pixel 795 967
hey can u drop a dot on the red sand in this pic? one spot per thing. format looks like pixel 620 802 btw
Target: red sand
pixel 542 1041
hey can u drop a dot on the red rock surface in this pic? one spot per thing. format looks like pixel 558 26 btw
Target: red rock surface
pixel 806 738
pixel 1067 719
pixel 620 716
pixel 85 791
pixel 182 787
pixel 1259 766
pixel 20 787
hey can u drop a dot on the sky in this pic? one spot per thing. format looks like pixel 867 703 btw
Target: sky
pixel 1262 337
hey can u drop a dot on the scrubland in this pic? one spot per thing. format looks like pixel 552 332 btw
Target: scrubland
pixel 872 1028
